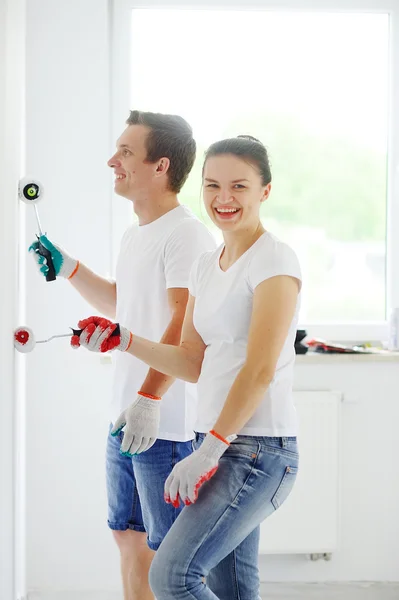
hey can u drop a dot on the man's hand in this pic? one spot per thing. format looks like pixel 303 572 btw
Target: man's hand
pixel 64 265
pixel 140 422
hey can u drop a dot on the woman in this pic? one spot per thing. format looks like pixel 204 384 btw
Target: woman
pixel 238 343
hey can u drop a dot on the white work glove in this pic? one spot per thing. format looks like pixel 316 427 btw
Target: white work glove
pixel 102 335
pixel 189 474
pixel 141 422
pixel 64 265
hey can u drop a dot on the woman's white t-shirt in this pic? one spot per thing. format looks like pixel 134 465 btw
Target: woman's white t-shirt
pixel 222 315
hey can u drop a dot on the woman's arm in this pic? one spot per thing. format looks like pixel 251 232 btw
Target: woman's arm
pixel 273 310
pixel 184 361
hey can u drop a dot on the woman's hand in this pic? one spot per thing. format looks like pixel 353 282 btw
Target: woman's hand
pixel 101 335
pixel 189 474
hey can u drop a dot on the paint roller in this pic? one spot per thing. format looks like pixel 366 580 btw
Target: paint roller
pixel 24 338
pixel 30 192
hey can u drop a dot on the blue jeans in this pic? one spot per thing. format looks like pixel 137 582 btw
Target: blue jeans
pixel 218 536
pixel 135 487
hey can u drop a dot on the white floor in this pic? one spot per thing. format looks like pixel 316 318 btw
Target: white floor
pixel 314 591
pixel 269 591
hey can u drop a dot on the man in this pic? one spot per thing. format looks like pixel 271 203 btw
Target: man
pixel 154 156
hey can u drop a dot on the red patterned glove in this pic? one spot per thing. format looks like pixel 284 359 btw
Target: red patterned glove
pixel 192 472
pixel 99 335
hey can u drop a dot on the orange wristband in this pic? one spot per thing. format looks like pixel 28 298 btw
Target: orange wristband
pixel 149 396
pixel 219 437
pixel 130 341
pixel 75 270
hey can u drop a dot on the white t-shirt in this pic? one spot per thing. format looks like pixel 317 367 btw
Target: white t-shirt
pixel 153 258
pixel 222 314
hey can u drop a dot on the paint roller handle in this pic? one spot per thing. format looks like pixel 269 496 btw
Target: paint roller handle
pixel 50 275
pixel 116 331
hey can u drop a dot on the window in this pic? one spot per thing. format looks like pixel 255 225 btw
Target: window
pixel 314 87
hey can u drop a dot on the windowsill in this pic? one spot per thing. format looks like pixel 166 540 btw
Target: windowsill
pixel 320 358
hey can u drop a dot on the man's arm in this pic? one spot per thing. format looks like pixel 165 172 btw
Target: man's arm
pixel 96 290
pixel 156 383
pixel 141 419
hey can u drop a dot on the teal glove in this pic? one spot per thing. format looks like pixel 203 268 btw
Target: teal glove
pixel 64 265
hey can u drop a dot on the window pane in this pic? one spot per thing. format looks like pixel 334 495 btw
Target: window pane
pixel 314 88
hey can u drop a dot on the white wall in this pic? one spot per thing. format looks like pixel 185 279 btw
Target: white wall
pixel 68 143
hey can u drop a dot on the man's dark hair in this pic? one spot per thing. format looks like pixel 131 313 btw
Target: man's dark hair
pixel 170 136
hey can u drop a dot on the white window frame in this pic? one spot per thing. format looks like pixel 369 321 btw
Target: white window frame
pixel 12 498
pixel 120 104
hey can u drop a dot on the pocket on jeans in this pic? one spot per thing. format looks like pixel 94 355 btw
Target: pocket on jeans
pixel 197 441
pixel 285 486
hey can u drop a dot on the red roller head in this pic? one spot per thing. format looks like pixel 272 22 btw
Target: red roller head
pixel 24 340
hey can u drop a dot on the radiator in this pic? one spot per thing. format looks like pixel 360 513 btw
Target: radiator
pixel 308 522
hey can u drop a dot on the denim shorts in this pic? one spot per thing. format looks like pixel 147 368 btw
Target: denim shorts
pixel 211 551
pixel 135 487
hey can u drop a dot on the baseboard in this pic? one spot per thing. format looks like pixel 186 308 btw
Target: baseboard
pixel 74 595
pixel 346 591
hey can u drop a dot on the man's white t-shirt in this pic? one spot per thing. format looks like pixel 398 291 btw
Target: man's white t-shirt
pixel 153 258
pixel 222 315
